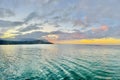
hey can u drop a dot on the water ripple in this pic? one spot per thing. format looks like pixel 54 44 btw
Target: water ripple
pixel 44 65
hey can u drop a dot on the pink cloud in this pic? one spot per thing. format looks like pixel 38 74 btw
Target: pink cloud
pixel 101 28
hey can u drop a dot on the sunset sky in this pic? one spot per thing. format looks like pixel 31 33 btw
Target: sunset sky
pixel 61 21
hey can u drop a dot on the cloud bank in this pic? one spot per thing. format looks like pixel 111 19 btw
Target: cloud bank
pixel 73 19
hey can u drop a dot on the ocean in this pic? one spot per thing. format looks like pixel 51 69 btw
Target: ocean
pixel 59 62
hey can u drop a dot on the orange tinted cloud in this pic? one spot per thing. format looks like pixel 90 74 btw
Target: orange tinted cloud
pixel 104 28
pixel 51 37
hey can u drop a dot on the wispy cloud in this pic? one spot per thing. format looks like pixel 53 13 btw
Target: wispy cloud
pixel 6 13
pixel 4 23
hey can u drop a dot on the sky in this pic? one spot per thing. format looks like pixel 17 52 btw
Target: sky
pixel 60 20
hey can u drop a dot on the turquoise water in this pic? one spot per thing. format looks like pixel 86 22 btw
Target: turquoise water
pixel 59 62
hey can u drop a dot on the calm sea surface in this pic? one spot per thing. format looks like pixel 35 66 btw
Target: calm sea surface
pixel 59 62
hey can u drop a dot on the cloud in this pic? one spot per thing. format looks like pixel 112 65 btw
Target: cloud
pixel 6 13
pixel 31 16
pixel 101 28
pixel 74 19
pixel 30 27
pixel 39 1
pixel 9 34
pixel 24 28
pixel 68 36
pixel 97 9
pixel 51 37
pixel 4 23
pixel 34 28
pixel 34 35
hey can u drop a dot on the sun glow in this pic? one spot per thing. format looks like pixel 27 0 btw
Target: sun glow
pixel 51 38
pixel 102 41
pixel 9 34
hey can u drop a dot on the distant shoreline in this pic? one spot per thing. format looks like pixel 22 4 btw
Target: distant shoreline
pixel 6 42
pixel 60 44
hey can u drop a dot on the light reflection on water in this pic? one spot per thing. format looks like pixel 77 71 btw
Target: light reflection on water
pixel 59 62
